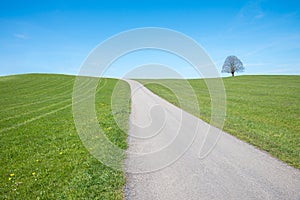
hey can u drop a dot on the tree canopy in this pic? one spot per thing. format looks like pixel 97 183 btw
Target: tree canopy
pixel 232 64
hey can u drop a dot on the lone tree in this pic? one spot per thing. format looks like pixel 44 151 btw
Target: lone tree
pixel 232 64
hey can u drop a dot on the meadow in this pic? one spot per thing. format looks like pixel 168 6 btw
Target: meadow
pixel 42 156
pixel 261 110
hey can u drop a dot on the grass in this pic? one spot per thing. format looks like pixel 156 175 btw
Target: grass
pixel 261 110
pixel 42 157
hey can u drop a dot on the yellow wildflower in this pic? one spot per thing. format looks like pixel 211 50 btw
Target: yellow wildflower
pixel 12 174
pixel 33 173
pixel 60 153
pixel 9 178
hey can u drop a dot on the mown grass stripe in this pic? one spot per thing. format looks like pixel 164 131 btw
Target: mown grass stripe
pixel 33 111
pixel 41 91
pixel 33 119
pixel 58 97
pixel 82 97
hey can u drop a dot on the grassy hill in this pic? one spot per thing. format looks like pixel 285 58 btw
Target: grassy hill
pixel 42 156
pixel 261 110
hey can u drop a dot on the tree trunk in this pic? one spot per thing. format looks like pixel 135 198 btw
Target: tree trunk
pixel 232 73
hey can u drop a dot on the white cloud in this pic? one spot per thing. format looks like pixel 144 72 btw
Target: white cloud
pixel 249 13
pixel 257 64
pixel 283 70
pixel 20 36
pixel 259 15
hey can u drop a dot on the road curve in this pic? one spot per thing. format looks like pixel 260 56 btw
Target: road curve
pixel 232 170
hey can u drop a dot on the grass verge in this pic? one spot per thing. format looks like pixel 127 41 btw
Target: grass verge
pixel 42 156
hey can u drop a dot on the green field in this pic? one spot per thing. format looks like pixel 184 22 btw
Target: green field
pixel 42 156
pixel 261 110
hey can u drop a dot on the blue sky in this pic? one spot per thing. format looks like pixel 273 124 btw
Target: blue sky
pixel 56 36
